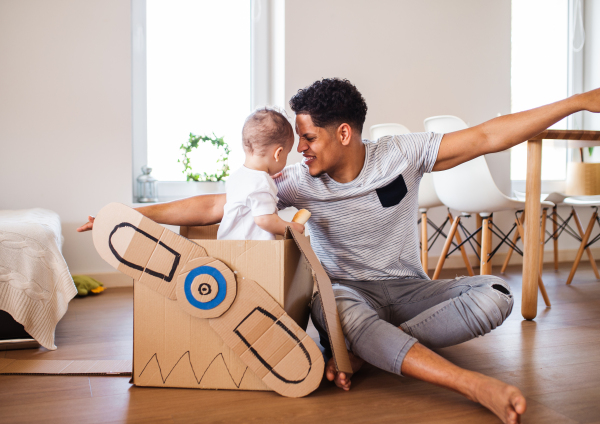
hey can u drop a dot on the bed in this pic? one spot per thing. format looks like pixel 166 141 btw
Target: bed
pixel 35 283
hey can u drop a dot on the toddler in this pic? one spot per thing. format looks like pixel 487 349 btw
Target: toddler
pixel 251 208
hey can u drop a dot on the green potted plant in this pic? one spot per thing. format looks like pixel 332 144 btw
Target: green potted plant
pixel 211 182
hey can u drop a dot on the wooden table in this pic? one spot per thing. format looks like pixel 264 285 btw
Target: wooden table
pixel 532 210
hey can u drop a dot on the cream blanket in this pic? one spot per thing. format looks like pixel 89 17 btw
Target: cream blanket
pixel 35 283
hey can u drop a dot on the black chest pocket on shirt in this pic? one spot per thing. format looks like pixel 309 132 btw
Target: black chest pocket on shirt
pixel 393 193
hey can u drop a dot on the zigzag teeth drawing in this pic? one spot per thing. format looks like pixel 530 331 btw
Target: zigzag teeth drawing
pixel 164 379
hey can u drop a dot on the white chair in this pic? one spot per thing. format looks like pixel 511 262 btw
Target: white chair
pixel 470 189
pixel 427 199
pixel 560 225
pixel 593 202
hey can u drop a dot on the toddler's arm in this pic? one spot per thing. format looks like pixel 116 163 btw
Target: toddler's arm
pixel 275 225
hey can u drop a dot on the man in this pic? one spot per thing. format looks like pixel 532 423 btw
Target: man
pixel 363 197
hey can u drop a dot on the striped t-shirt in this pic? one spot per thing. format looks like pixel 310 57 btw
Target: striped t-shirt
pixel 366 230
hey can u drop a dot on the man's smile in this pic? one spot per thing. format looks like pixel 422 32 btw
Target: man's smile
pixel 308 159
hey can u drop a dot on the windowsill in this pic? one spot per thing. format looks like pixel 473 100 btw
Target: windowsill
pixel 177 190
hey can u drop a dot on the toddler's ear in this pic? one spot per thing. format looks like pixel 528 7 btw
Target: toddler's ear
pixel 277 153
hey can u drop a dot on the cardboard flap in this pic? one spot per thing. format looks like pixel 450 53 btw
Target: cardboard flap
pixel 332 320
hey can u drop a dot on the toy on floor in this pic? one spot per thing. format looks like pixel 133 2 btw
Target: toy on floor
pixel 86 285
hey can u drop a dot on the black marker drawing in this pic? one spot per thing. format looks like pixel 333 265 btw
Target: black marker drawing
pixel 261 359
pixel 177 256
pixel 164 379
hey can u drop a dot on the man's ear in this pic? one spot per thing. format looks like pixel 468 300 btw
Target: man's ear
pixel 344 134
pixel 277 153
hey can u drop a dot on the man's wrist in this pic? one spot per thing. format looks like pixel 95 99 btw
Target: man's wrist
pixel 576 103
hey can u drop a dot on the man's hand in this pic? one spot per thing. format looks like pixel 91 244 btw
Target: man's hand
pixel 206 209
pixel 88 225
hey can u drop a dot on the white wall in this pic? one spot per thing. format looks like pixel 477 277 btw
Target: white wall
pixel 410 60
pixel 65 112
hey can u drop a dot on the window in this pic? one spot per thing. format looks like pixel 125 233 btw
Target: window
pixel 539 74
pixel 198 80
pixel 200 67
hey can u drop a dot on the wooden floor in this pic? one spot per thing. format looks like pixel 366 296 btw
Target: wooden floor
pixel 554 360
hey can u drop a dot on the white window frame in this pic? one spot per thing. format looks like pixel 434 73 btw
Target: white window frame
pixel 574 86
pixel 267 87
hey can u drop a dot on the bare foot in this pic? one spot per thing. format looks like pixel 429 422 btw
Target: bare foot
pixel 340 378
pixel 504 400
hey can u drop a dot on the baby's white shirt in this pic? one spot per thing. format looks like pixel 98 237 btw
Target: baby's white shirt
pixel 250 193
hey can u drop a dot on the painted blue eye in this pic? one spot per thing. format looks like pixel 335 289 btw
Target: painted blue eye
pixel 204 288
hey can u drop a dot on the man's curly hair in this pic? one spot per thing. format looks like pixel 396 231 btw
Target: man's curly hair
pixel 331 101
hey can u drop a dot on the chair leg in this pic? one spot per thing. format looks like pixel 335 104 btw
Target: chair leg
pixel 478 224
pixel 516 238
pixel 424 251
pixel 541 286
pixel 588 250
pixel 488 270
pixel 543 291
pixel 463 252
pixel 483 270
pixel 555 237
pixel 584 241
pixel 447 245
pixel 543 238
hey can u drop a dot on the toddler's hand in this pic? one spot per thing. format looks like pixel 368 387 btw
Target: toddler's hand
pixel 297 227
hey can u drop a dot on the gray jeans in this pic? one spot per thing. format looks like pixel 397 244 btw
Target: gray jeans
pixel 436 313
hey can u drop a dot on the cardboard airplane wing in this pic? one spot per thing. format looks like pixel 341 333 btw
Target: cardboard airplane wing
pixel 248 320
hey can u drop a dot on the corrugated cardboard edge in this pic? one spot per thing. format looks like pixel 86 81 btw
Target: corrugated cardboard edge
pixel 332 319
pixel 65 367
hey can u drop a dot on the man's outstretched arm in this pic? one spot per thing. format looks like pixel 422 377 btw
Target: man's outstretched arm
pixel 198 210
pixel 507 131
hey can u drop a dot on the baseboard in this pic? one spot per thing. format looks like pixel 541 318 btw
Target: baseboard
pixel 117 279
pixel 456 262
pixel 113 279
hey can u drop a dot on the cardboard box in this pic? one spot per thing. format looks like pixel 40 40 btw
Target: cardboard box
pixel 196 323
pixel 175 349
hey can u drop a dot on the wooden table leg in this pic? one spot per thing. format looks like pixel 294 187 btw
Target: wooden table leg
pixel 531 251
pixel 521 232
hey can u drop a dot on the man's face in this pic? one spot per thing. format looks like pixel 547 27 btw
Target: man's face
pixel 318 146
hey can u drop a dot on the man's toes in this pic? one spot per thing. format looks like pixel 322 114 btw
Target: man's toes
pixel 330 372
pixel 520 404
pixel 511 417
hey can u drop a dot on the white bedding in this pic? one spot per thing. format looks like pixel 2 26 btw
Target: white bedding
pixel 35 283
